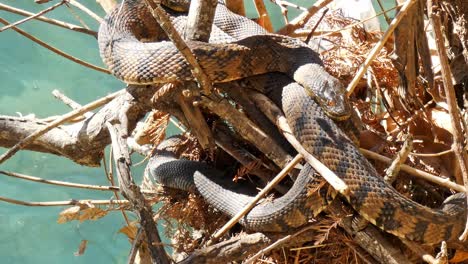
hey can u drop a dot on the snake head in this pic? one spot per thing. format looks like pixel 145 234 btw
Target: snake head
pixel 333 99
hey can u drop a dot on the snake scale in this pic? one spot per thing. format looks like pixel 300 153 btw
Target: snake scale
pixel 133 61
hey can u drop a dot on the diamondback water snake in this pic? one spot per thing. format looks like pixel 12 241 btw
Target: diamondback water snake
pixel 140 63
pixel 133 61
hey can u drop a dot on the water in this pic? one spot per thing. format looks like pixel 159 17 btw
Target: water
pixel 28 74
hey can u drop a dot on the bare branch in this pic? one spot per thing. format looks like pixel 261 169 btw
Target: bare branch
pixel 64 203
pixel 60 183
pixel 49 20
pixel 33 16
pixel 86 10
pixel 55 50
pixel 373 53
pixel 132 192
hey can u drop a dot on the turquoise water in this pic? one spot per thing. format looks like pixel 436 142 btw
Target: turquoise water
pixel 28 74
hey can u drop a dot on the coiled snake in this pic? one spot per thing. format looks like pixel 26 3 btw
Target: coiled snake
pixel 143 63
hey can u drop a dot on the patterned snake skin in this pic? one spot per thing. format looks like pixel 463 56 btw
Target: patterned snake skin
pixel 368 193
pixel 144 63
pixel 242 49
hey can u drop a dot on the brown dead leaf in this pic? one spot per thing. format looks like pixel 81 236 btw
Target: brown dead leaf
pixel 154 129
pixel 68 214
pixel 81 212
pixel 130 231
pixel 92 213
pixel 460 257
pixel 81 248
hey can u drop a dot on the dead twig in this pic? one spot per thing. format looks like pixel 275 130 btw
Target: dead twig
pixel 33 16
pixel 86 10
pixel 307 40
pixel 74 105
pixel 302 19
pixel 263 17
pixel 393 170
pixel 65 118
pixel 51 21
pixel 64 203
pixel 247 129
pixel 415 172
pixel 373 53
pixel 68 101
pixel 137 241
pixel 163 20
pixel 60 183
pixel 455 119
pixel 55 50
pixel 132 192
pixel 278 243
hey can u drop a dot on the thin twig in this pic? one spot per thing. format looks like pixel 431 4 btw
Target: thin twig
pixel 33 16
pixel 69 116
pixel 373 53
pixel 137 241
pixel 325 33
pixel 74 105
pixel 63 203
pixel 68 101
pixel 132 192
pixel 455 118
pixel 164 21
pixel 55 50
pixel 257 198
pixel 60 183
pixel 302 19
pixel 278 243
pixel 431 154
pixel 51 21
pixel 394 168
pixel 362 21
pixel 384 13
pixel 87 11
pixel 316 25
pixel 76 15
pixel 415 172
pixel 263 17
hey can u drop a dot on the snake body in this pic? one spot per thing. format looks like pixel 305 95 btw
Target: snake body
pixel 122 49
pixel 367 193
pixel 146 63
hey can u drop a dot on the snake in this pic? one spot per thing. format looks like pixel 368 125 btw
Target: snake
pixel 135 50
pixel 122 41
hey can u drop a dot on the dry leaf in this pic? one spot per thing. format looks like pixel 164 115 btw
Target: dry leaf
pixel 460 256
pixel 68 214
pixel 92 213
pixel 130 231
pixel 81 212
pixel 81 248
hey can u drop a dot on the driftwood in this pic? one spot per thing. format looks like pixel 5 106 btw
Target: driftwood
pixel 82 142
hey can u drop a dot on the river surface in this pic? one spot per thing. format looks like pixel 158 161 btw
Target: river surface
pixel 28 75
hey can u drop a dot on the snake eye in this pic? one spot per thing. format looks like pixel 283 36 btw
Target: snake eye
pixel 331 103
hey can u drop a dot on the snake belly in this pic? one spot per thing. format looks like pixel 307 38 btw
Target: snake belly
pixel 135 51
